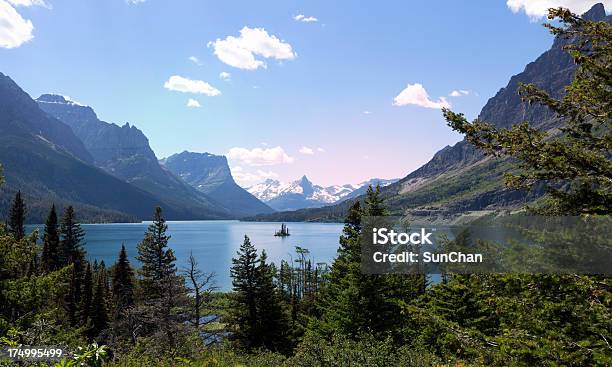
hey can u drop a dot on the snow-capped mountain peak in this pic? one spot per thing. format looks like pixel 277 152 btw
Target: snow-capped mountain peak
pixel 303 193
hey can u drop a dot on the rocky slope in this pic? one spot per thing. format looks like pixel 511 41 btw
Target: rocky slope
pixel 211 175
pixel 41 156
pixel 124 152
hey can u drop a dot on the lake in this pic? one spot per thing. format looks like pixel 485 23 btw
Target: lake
pixel 214 243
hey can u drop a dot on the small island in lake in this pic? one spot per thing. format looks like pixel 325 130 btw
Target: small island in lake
pixel 284 231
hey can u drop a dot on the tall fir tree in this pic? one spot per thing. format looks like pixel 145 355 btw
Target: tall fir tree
pixel 243 314
pixel 272 325
pixel 85 307
pixel 71 245
pixel 51 242
pixel 99 311
pixel 163 292
pixel 352 303
pixel 16 223
pixel 123 286
pixel 158 260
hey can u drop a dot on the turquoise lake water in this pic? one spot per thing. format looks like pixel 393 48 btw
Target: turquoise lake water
pixel 214 243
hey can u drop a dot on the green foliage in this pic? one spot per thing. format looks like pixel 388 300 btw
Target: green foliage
pixel 123 283
pixel 158 260
pixel 160 314
pixel 71 246
pixel 256 318
pixel 353 303
pixel 576 163
pixel 363 350
pixel 93 355
pixel 51 241
pixel 16 223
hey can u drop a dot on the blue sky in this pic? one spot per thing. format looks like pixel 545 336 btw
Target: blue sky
pixel 340 99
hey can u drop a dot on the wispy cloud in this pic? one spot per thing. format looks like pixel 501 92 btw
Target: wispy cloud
pixel 537 9
pixel 306 151
pixel 193 103
pixel 415 94
pixel 321 150
pixel 135 2
pixel 366 112
pixel 194 60
pixel 259 156
pixel 180 84
pixel 225 76
pixel 240 52
pixel 246 179
pixel 459 93
pixel 305 19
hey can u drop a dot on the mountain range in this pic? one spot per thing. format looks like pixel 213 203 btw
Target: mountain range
pixel 211 175
pixel 460 182
pixel 303 193
pixel 57 151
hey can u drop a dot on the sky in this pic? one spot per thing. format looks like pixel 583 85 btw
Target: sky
pixel 340 91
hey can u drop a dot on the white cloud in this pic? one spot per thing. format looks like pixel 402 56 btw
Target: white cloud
pixel 240 52
pixel 194 60
pixel 225 76
pixel 135 2
pixel 459 93
pixel 28 3
pixel 367 112
pixel 417 95
pixel 14 30
pixel 259 156
pixel 537 9
pixel 305 19
pixel 319 149
pixel 246 179
pixel 179 84
pixel 306 150
pixel 193 103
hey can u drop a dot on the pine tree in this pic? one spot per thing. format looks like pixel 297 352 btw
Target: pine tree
pixel 158 261
pixel 85 307
pixel 17 214
pixel 272 326
pixel 73 297
pixel 164 296
pixel 51 242
pixel 244 313
pixel 99 312
pixel 71 245
pixel 123 286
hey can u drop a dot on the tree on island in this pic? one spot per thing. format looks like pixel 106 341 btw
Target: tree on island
pixel 283 232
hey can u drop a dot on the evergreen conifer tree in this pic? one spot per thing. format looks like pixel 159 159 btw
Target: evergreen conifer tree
pixel 86 297
pixel 158 260
pixel 71 245
pixel 51 242
pixel 99 312
pixel 123 286
pixel 244 313
pixel 272 326
pixel 17 214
